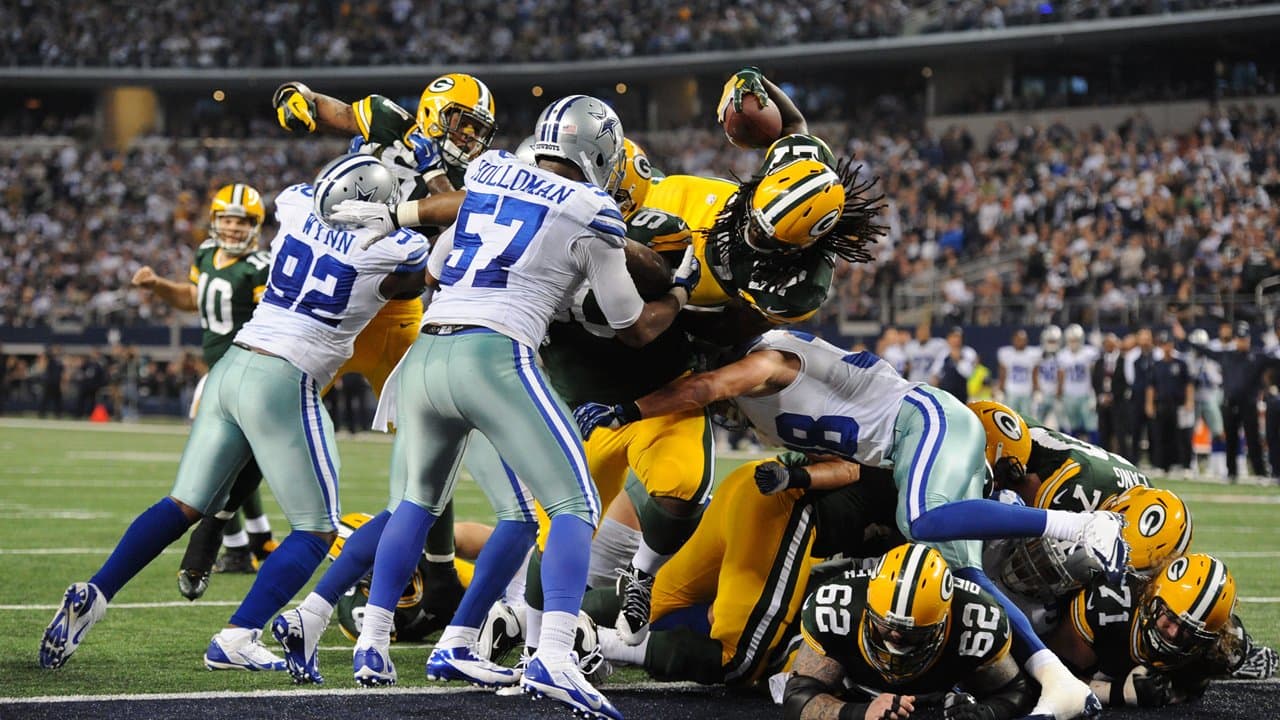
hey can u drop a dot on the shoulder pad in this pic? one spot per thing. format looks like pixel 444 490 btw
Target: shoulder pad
pixel 795 147
pixel 609 225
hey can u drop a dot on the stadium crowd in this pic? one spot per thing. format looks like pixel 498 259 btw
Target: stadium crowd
pixel 170 33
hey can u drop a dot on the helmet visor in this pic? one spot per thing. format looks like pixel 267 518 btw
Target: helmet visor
pixel 1171 637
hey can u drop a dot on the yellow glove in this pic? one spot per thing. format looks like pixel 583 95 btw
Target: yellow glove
pixel 293 109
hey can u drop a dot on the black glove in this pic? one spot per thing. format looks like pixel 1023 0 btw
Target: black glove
pixel 962 706
pixel 773 477
pixel 1143 688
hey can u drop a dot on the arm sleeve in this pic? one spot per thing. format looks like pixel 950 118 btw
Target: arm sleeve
pixel 606 269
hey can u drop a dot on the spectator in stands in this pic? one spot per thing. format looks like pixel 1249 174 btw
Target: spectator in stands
pixel 51 376
pixel 1170 394
pixel 1110 385
pixel 952 370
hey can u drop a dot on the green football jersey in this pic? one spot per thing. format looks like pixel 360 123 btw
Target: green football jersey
pixel 1105 616
pixel 1075 475
pixel 788 287
pixel 395 138
pixel 226 294
pixel 979 634
pixel 584 360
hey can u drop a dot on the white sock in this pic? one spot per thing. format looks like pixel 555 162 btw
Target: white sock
pixel 378 624
pixel 314 603
pixel 614 546
pixel 514 594
pixel 458 636
pixel 555 642
pixel 1037 666
pixel 258 524
pixel 239 540
pixel 532 626
pixel 1064 525
pixel 617 651
pixel 646 560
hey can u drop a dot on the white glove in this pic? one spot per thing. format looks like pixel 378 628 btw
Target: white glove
pixel 689 272
pixel 378 217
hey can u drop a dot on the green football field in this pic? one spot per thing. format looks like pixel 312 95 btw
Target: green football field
pixel 68 490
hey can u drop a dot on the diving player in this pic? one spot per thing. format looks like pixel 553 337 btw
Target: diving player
pixel 907 629
pixel 263 399
pixel 227 278
pixel 525 238
pixel 803 393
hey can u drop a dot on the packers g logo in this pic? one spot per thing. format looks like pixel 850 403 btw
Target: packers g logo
pixel 642 166
pixel 824 225
pixel 441 84
pixel 1007 424
pixel 948 584
pixel 1152 520
pixel 1177 569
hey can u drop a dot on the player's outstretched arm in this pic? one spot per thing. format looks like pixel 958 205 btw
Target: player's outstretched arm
pixel 433 210
pixel 298 107
pixel 180 295
pixel 793 121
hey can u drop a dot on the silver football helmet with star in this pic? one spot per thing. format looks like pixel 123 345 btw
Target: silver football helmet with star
pixel 353 177
pixel 586 132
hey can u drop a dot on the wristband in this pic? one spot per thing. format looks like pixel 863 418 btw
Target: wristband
pixel 628 412
pixel 800 478
pixel 406 215
pixel 854 711
pixel 681 294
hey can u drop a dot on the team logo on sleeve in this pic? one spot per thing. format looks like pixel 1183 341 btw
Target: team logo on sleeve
pixel 1151 520
pixel 1177 569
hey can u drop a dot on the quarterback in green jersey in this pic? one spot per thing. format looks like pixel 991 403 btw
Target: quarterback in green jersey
pixel 227 279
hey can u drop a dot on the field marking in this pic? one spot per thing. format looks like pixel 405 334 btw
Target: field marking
pixel 69 482
pixel 71 551
pixel 312 691
pixel 371 436
pixel 1243 499
pixel 124 456
pixel 20 513
pixel 134 606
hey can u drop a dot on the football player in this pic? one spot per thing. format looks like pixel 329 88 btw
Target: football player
pixel 498 293
pixel 427 155
pixel 750 583
pixel 673 456
pixel 1017 364
pixel 908 629
pixel 263 399
pixel 227 279
pixel 1158 642
pixel 1044 382
pixel 808 395
pixel 924 352
pixel 1079 412
pixel 770 244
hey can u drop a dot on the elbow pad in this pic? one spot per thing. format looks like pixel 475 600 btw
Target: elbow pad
pixel 800 690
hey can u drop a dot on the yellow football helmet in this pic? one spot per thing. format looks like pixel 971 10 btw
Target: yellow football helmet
pixel 1008 441
pixel 457 111
pixel 1183 609
pixel 793 206
pixel 908 613
pixel 1158 529
pixel 237 200
pixel 636 178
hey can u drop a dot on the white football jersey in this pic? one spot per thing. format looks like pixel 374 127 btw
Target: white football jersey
pixel 1018 366
pixel 1077 370
pixel 923 356
pixel 1047 373
pixel 896 356
pixel 323 289
pixel 842 403
pixel 1208 376
pixel 524 241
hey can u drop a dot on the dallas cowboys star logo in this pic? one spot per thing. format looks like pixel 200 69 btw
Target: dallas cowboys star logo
pixel 608 125
pixel 365 195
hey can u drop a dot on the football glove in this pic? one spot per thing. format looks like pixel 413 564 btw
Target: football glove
pixel 963 706
pixel 379 217
pixel 773 477
pixel 592 415
pixel 293 109
pixel 749 80
pixel 689 272
pixel 1144 688
pixel 1259 664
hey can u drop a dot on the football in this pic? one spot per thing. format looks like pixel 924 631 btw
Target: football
pixel 754 126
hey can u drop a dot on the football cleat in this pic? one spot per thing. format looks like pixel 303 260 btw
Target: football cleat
pixel 565 683
pixel 238 649
pixel 635 594
pixel 82 606
pixel 236 560
pixel 501 633
pixel 1103 537
pixel 465 664
pixel 298 631
pixel 192 583
pixel 372 666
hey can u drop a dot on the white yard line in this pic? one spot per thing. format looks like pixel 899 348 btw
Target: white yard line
pixel 71 551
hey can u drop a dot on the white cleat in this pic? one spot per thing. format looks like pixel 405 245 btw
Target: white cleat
pixel 82 606
pixel 240 649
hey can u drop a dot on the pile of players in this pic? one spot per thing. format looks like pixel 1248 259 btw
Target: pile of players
pixel 586 324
